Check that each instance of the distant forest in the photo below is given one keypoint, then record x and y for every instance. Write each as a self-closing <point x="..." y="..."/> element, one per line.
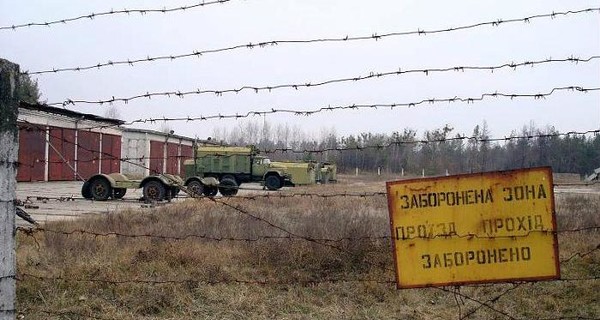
<point x="396" y="153"/>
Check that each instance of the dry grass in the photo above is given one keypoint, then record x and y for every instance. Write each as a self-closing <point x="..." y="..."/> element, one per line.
<point x="288" y="278"/>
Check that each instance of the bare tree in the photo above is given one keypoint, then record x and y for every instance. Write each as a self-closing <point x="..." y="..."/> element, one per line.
<point x="112" y="112"/>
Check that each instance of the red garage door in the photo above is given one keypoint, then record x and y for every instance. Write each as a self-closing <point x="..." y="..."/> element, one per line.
<point x="62" y="145"/>
<point x="172" y="158"/>
<point x="156" y="157"/>
<point x="32" y="153"/>
<point x="87" y="153"/>
<point x="111" y="153"/>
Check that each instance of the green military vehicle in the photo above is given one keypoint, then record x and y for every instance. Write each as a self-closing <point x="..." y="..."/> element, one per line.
<point x="233" y="166"/>
<point x="309" y="172"/>
<point x="326" y="172"/>
<point x="302" y="173"/>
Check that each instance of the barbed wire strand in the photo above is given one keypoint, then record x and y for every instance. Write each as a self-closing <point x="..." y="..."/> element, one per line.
<point x="22" y="276"/>
<point x="70" y="314"/>
<point x="491" y="300"/>
<point x="270" y="195"/>
<point x="391" y="106"/>
<point x="92" y="16"/>
<point x="582" y="255"/>
<point x="347" y="38"/>
<point x="270" y="224"/>
<point x="297" y="86"/>
<point x="372" y="106"/>
<point x="382" y="146"/>
<point x="269" y="282"/>
<point x="425" y="142"/>
<point x="481" y="303"/>
<point x="109" y="234"/>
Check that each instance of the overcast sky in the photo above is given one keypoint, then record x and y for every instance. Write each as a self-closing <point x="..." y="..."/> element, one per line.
<point x="122" y="37"/>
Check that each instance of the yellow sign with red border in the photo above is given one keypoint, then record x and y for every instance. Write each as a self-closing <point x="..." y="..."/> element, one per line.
<point x="474" y="228"/>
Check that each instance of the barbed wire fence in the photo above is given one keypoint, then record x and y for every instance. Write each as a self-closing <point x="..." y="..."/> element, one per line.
<point x="343" y="39"/>
<point x="288" y="236"/>
<point x="281" y="232"/>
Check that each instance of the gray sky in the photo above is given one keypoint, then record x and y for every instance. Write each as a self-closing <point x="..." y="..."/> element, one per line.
<point x="120" y="37"/>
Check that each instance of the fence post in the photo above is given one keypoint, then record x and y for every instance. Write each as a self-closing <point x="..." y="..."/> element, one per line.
<point x="9" y="145"/>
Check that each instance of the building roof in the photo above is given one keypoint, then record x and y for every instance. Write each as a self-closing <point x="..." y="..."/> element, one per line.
<point x="160" y="133"/>
<point x="69" y="113"/>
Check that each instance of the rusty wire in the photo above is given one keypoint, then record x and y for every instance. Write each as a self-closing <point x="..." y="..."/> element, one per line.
<point x="22" y="276"/>
<point x="291" y="236"/>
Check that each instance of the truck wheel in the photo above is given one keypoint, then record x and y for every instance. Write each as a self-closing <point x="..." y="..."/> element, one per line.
<point x="100" y="189"/>
<point x="119" y="193"/>
<point x="230" y="177"/>
<point x="273" y="183"/>
<point x="154" y="191"/>
<point x="195" y="188"/>
<point x="210" y="191"/>
<point x="86" y="192"/>
<point x="228" y="187"/>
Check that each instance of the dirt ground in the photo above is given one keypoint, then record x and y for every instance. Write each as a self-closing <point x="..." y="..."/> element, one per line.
<point x="49" y="201"/>
<point x="61" y="200"/>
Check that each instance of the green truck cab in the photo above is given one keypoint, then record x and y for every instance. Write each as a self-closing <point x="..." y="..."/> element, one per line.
<point x="233" y="166"/>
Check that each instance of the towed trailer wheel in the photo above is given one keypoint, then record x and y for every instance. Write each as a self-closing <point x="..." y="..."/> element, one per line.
<point x="99" y="189"/>
<point x="195" y="188"/>
<point x="86" y="192"/>
<point x="154" y="191"/>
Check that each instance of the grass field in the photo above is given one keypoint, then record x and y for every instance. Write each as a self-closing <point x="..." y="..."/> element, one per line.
<point x="224" y="259"/>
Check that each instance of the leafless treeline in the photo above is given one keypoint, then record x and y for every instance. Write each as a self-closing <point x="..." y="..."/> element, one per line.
<point x="438" y="151"/>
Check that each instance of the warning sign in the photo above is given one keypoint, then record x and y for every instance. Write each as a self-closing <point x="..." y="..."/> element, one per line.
<point x="474" y="228"/>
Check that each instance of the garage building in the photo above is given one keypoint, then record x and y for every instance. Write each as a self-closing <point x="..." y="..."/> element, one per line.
<point x="148" y="152"/>
<point x="57" y="144"/>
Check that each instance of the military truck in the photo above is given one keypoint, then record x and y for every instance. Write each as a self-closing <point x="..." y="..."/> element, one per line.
<point x="301" y="173"/>
<point x="233" y="166"/>
<point x="309" y="172"/>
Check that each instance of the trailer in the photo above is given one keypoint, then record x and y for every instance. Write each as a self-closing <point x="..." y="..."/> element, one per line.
<point x="102" y="187"/>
